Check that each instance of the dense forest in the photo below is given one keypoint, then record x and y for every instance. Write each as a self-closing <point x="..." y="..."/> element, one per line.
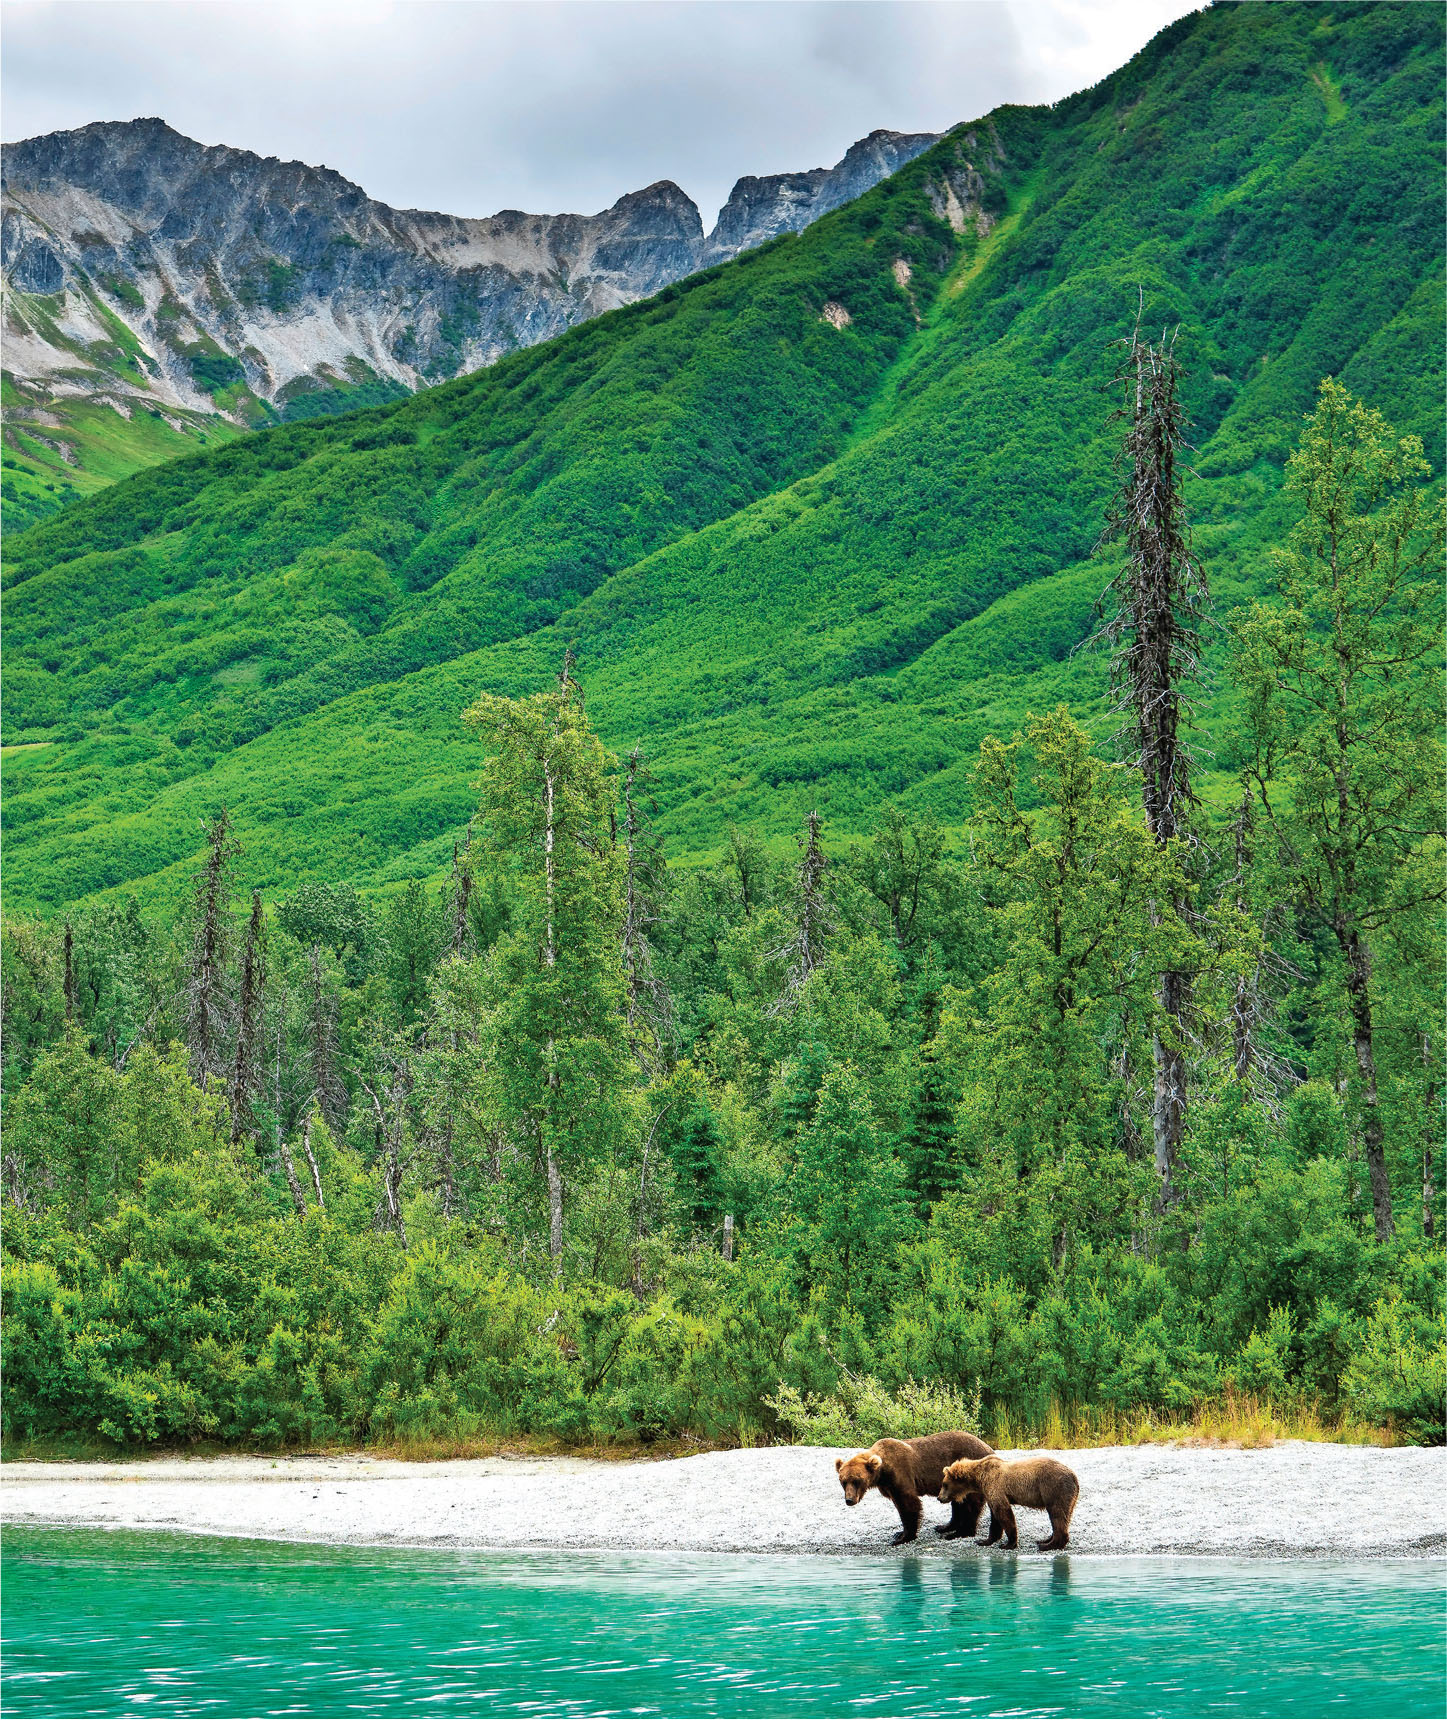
<point x="1116" y="1109"/>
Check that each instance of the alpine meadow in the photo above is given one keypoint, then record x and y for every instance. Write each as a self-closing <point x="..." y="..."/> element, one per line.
<point x="852" y="848"/>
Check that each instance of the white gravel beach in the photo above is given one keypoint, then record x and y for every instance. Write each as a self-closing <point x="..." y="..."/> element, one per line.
<point x="1291" y="1500"/>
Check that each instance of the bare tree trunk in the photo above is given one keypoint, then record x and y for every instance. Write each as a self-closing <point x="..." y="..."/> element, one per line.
<point x="555" y="1215"/>
<point x="728" y="1236"/>
<point x="1359" y="975"/>
<point x="292" y="1181"/>
<point x="1154" y="636"/>
<point x="311" y="1159"/>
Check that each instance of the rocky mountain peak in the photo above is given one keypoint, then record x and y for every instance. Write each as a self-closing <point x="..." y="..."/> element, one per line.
<point x="145" y="268"/>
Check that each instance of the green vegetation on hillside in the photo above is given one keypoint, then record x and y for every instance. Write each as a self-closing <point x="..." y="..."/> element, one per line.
<point x="804" y="563"/>
<point x="56" y="450"/>
<point x="953" y="1069"/>
<point x="830" y="1144"/>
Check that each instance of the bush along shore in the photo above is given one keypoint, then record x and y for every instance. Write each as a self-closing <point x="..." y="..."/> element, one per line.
<point x="1119" y="1111"/>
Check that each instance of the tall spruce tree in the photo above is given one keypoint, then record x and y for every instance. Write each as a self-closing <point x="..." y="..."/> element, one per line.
<point x="813" y="912"/>
<point x="651" y="1030"/>
<point x="327" y="1090"/>
<point x="1342" y="676"/>
<point x="556" y="1066"/>
<point x="209" y="1009"/>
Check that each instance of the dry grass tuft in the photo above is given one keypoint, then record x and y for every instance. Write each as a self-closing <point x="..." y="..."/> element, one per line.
<point x="1233" y="1422"/>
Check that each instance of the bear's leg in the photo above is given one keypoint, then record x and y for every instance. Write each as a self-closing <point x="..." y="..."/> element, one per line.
<point x="1059" y="1535"/>
<point x="1002" y="1521"/>
<point x="964" y="1517"/>
<point x="910" y="1511"/>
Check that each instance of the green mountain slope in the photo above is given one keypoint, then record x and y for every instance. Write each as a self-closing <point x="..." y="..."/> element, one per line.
<point x="814" y="522"/>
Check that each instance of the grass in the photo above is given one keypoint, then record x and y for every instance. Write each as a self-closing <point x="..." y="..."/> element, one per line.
<point x="1332" y="100"/>
<point x="104" y="447"/>
<point x="1233" y="1421"/>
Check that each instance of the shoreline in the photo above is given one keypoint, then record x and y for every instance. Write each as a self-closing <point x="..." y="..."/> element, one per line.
<point x="1295" y="1499"/>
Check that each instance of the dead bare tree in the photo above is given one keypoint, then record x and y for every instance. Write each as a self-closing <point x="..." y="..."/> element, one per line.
<point x="1152" y="613"/>
<point x="311" y="1159"/>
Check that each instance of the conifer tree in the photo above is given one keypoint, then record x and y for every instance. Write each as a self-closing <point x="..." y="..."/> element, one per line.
<point x="555" y="1070"/>
<point x="246" y="1068"/>
<point x="813" y="913"/>
<point x="209" y="1009"/>
<point x="412" y="944"/>
<point x="928" y="1149"/>
<point x="1343" y="682"/>
<point x="649" y="1008"/>
<point x="327" y="1090"/>
<point x="847" y="1193"/>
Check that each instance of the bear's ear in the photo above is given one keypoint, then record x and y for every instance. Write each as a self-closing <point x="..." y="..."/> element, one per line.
<point x="838" y="1465"/>
<point x="875" y="1462"/>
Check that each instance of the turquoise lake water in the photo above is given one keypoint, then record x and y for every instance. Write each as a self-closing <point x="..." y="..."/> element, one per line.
<point x="99" y="1623"/>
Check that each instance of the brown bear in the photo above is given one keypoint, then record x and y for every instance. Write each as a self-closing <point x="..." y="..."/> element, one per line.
<point x="904" y="1470"/>
<point x="1042" y="1483"/>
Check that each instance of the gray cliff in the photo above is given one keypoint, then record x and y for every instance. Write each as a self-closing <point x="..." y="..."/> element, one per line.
<point x="139" y="263"/>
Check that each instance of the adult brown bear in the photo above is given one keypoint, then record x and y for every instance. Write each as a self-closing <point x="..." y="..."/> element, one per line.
<point x="904" y="1470"/>
<point x="1039" y="1482"/>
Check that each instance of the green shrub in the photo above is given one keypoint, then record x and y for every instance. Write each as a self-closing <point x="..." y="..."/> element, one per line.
<point x="863" y="1410"/>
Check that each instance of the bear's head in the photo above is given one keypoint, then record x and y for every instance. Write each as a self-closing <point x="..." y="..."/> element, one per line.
<point x="858" y="1474"/>
<point x="964" y="1480"/>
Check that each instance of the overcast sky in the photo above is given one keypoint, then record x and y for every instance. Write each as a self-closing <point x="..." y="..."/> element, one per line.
<point x="470" y="106"/>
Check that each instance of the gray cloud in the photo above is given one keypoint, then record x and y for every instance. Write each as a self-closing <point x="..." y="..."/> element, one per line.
<point x="475" y="105"/>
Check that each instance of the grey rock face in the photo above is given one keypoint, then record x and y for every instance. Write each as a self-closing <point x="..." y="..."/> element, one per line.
<point x="760" y="209"/>
<point x="140" y="262"/>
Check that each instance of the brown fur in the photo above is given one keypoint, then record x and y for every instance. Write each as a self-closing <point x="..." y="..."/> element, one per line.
<point x="906" y="1469"/>
<point x="1041" y="1483"/>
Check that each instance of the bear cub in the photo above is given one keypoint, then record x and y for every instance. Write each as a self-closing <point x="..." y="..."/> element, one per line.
<point x="1041" y="1483"/>
<point x="904" y="1470"/>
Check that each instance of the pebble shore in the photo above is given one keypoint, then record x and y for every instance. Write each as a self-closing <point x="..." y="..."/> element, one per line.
<point x="1291" y="1500"/>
